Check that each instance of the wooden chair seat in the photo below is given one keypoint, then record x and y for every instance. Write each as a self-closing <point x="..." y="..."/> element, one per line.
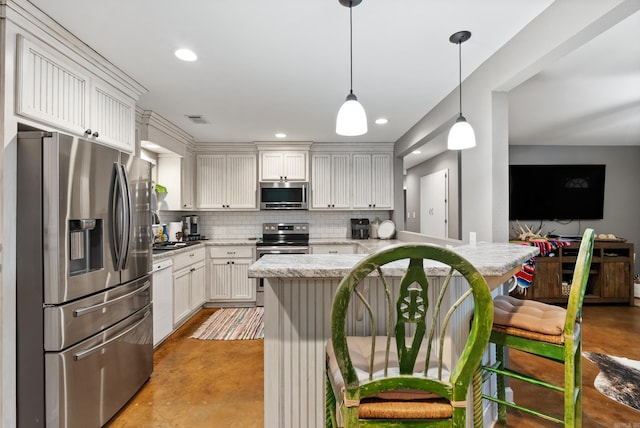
<point x="425" y="409"/>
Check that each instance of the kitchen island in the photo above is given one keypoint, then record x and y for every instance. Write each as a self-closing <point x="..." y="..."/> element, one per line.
<point x="299" y="292"/>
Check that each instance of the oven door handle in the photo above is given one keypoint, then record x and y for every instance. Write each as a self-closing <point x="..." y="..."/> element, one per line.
<point x="85" y="353"/>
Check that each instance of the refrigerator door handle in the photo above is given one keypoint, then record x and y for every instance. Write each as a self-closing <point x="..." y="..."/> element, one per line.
<point x="83" y="311"/>
<point x="127" y="215"/>
<point x="86" y="352"/>
<point x="113" y="220"/>
<point x="118" y="217"/>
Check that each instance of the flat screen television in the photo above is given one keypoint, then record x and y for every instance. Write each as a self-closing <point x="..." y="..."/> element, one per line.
<point x="556" y="192"/>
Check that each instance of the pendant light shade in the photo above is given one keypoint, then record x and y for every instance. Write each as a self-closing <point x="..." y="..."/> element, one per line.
<point x="352" y="119"/>
<point x="461" y="135"/>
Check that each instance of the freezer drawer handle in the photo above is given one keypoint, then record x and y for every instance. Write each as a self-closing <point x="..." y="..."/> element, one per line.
<point x="89" y="309"/>
<point x="82" y="354"/>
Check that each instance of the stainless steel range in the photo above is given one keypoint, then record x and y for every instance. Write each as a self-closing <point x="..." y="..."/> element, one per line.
<point x="281" y="238"/>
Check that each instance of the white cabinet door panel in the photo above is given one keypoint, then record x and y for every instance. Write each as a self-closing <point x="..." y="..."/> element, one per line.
<point x="113" y="117"/>
<point x="241" y="181"/>
<point x="295" y="166"/>
<point x="181" y="295"/>
<point x="321" y="194"/>
<point x="288" y="166"/>
<point x="331" y="181"/>
<point x="361" y="181"/>
<point x="211" y="173"/>
<point x="341" y="181"/>
<point x="221" y="280"/>
<point x="198" y="292"/>
<point x="243" y="287"/>
<point x="50" y="90"/>
<point x="381" y="196"/>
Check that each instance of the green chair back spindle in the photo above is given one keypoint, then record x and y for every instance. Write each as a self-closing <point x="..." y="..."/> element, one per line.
<point x="423" y="325"/>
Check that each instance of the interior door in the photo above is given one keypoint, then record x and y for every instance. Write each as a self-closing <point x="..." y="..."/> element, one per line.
<point x="434" y="196"/>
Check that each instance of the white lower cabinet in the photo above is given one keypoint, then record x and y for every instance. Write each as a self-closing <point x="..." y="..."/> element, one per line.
<point x="333" y="249"/>
<point x="229" y="281"/>
<point x="188" y="284"/>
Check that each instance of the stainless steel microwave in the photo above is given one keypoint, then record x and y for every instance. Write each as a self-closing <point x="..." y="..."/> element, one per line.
<point x="284" y="195"/>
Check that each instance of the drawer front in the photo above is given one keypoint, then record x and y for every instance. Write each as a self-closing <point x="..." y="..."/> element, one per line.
<point x="332" y="249"/>
<point x="187" y="258"/>
<point x="231" y="252"/>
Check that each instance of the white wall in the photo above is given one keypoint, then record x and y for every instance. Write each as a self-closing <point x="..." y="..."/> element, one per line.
<point x="621" y="201"/>
<point x="448" y="160"/>
<point x="560" y="29"/>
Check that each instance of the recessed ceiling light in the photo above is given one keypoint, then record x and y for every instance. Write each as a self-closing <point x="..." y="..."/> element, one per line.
<point x="186" y="55"/>
<point x="416" y="152"/>
<point x="281" y="135"/>
<point x="382" y="121"/>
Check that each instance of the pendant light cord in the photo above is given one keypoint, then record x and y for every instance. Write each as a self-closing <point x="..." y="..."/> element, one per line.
<point x="351" y="48"/>
<point x="460" y="74"/>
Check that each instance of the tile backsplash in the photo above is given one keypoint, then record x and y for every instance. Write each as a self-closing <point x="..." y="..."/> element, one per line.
<point x="248" y="224"/>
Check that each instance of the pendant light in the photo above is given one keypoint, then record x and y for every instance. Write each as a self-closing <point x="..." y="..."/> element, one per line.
<point x="461" y="135"/>
<point x="352" y="119"/>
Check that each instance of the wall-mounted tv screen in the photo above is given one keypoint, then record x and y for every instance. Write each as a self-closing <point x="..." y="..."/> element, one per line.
<point x="556" y="192"/>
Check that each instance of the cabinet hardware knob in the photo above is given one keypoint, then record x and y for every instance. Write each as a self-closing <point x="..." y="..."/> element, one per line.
<point x="95" y="134"/>
<point x="87" y="132"/>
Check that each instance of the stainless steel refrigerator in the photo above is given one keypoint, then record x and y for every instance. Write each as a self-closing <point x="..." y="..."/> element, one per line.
<point x="84" y="324"/>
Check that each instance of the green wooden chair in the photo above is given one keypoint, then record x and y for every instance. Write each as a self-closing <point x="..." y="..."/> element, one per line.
<point x="377" y="379"/>
<point x="547" y="331"/>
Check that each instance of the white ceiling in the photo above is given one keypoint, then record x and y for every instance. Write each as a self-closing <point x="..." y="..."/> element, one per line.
<point x="281" y="66"/>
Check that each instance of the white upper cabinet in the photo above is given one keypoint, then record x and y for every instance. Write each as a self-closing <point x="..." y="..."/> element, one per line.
<point x="52" y="89"/>
<point x="176" y="174"/>
<point x="330" y="181"/>
<point x="226" y="181"/>
<point x="187" y="178"/>
<point x="284" y="166"/>
<point x="373" y="181"/>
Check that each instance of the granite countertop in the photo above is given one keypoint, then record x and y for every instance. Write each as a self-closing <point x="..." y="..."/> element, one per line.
<point x="172" y="252"/>
<point x="491" y="259"/>
<point x="201" y="244"/>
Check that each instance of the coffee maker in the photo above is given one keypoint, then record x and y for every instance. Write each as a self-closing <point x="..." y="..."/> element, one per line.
<point x="359" y="228"/>
<point x="190" y="229"/>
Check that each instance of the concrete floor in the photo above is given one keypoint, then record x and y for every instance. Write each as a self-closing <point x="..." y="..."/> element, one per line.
<point x="202" y="383"/>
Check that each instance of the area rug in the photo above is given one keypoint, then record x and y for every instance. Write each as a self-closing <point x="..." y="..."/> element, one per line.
<point x="233" y="324"/>
<point x="619" y="378"/>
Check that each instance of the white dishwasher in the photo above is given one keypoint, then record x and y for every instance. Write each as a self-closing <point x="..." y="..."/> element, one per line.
<point x="162" y="300"/>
